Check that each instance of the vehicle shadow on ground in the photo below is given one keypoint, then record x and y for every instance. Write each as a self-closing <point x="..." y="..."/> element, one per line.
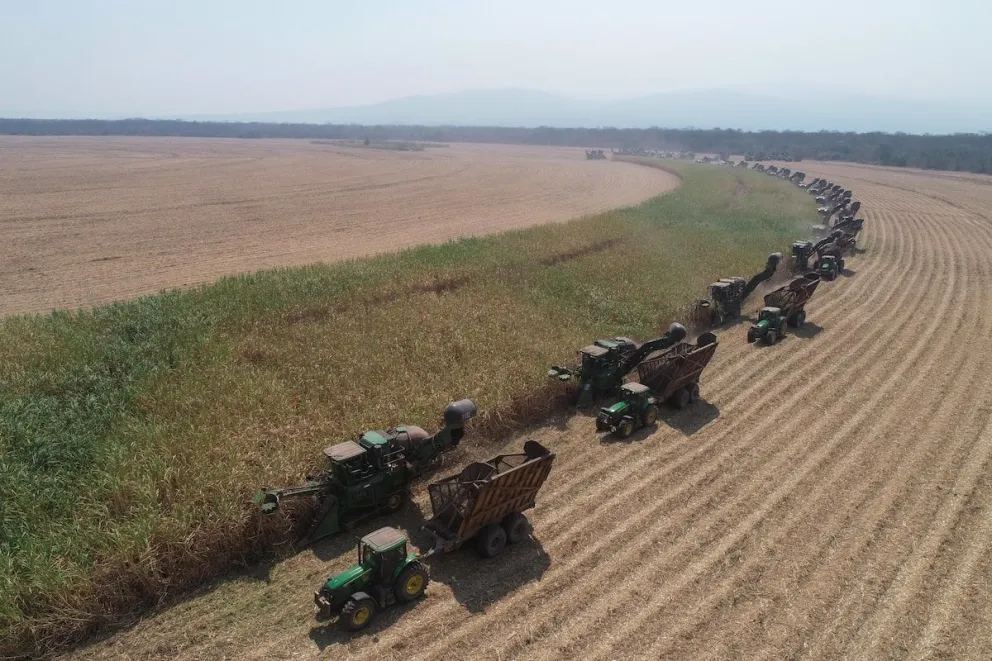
<point x="692" y="418"/>
<point x="847" y="273"/>
<point x="326" y="634"/>
<point x="808" y="330"/>
<point x="410" y="518"/>
<point x="477" y="582"/>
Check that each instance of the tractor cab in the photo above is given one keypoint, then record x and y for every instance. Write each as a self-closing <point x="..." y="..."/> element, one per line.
<point x="769" y="314"/>
<point x="381" y="552"/>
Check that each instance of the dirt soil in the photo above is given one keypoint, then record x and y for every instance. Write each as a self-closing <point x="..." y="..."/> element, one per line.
<point x="830" y="499"/>
<point x="92" y="220"/>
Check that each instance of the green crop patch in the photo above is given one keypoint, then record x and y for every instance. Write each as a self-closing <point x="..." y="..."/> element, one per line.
<point x="132" y="436"/>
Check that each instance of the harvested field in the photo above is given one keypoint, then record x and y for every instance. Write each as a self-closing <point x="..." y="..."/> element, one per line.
<point x="92" y="220"/>
<point x="831" y="498"/>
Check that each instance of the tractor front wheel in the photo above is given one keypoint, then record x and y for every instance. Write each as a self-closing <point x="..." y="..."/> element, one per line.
<point x="358" y="613"/>
<point x="491" y="541"/>
<point x="650" y="415"/>
<point x="412" y="582"/>
<point x="517" y="527"/>
<point x="625" y="428"/>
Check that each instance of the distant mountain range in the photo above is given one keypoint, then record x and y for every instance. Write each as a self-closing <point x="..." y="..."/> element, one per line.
<point x="704" y="109"/>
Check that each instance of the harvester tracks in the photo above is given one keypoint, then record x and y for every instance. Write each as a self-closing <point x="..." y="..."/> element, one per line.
<point x="840" y="505"/>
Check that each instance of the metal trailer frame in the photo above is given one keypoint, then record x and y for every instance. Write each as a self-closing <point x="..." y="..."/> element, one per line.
<point x="486" y="493"/>
<point x="677" y="367"/>
<point x="792" y="297"/>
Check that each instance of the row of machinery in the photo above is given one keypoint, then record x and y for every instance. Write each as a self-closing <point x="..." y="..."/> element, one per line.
<point x="484" y="503"/>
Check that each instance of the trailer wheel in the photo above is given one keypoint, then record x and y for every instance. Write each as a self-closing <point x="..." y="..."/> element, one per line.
<point x="800" y="318"/>
<point x="693" y="393"/>
<point x="491" y="541"/>
<point x="411" y="583"/>
<point x="681" y="398"/>
<point x="358" y="613"/>
<point x="517" y="527"/>
<point x="840" y="265"/>
<point x="650" y="415"/>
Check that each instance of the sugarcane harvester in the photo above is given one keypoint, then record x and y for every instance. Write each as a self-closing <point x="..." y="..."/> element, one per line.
<point x="370" y="475"/>
<point x="604" y="364"/>
<point x="784" y="307"/>
<point x="727" y="296"/>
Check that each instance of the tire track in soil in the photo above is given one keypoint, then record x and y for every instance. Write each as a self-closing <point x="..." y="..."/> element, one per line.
<point x="863" y="491"/>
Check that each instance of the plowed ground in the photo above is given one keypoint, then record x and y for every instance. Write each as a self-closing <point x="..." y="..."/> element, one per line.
<point x="92" y="220"/>
<point x="832" y="498"/>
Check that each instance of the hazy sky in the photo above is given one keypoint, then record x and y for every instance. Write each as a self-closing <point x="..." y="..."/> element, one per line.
<point x="110" y="57"/>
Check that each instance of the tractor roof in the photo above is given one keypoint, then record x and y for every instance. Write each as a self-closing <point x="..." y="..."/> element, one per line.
<point x="635" y="388"/>
<point x="343" y="451"/>
<point x="384" y="539"/>
<point x="771" y="310"/>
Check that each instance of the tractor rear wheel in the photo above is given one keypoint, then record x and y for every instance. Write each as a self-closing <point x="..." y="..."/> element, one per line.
<point x="358" y="613"/>
<point x="781" y="329"/>
<point x="491" y="541"/>
<point x="681" y="398"/>
<point x="517" y="527"/>
<point x="771" y="336"/>
<point x="411" y="583"/>
<point x="650" y="415"/>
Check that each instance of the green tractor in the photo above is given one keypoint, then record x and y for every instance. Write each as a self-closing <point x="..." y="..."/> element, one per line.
<point x="829" y="266"/>
<point x="386" y="573"/>
<point x="638" y="407"/>
<point x="770" y="326"/>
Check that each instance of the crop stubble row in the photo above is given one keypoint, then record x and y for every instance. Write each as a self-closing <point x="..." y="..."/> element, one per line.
<point x="837" y="507"/>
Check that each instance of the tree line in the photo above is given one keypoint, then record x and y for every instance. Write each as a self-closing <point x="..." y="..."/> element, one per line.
<point x="962" y="152"/>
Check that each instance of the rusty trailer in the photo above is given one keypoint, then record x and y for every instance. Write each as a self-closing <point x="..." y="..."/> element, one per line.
<point x="673" y="374"/>
<point x="486" y="501"/>
<point x="792" y="297"/>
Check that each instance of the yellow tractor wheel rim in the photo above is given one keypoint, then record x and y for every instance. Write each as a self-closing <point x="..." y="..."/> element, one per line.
<point x="414" y="584"/>
<point x="362" y="615"/>
<point x="651" y="417"/>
